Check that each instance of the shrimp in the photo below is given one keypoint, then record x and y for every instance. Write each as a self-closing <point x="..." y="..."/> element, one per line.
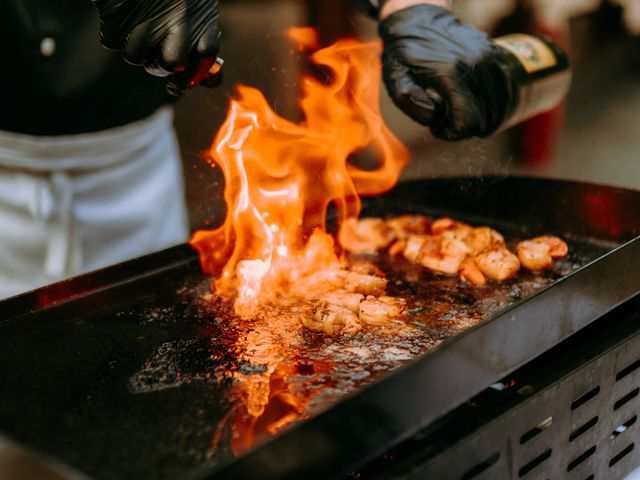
<point x="470" y="272"/>
<point x="442" y="254"/>
<point x="482" y="239"/>
<point x="558" y="248"/>
<point x="364" y="267"/>
<point x="348" y="300"/>
<point x="383" y="309"/>
<point x="398" y="247"/>
<point x="447" y="264"/>
<point x="315" y="285"/>
<point x="444" y="224"/>
<point x="365" y="284"/>
<point x="413" y="247"/>
<point x="499" y="264"/>
<point x="539" y="253"/>
<point x="367" y="235"/>
<point x="405" y="225"/>
<point x="534" y="255"/>
<point x="332" y="319"/>
<point x="451" y="244"/>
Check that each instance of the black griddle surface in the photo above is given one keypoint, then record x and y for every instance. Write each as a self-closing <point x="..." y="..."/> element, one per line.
<point x="154" y="379"/>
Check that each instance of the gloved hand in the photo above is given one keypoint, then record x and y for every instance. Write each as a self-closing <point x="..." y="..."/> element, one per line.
<point x="443" y="74"/>
<point x="174" y="38"/>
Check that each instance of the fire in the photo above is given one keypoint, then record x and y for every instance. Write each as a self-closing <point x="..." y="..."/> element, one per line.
<point x="281" y="176"/>
<point x="306" y="38"/>
<point x="275" y="381"/>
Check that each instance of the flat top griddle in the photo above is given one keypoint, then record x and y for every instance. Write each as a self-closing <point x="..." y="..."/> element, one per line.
<point x="135" y="372"/>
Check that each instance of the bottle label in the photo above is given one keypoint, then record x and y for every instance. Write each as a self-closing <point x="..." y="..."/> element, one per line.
<point x="533" y="53"/>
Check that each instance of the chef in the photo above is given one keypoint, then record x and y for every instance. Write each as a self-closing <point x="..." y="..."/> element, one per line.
<point x="90" y="173"/>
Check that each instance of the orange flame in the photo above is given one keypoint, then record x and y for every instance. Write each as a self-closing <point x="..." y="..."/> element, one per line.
<point x="281" y="176"/>
<point x="306" y="38"/>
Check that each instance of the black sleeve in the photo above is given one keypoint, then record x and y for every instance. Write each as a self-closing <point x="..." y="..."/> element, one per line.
<point x="370" y="7"/>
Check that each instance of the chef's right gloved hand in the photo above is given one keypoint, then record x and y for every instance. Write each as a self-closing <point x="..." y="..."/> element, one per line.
<point x="443" y="74"/>
<point x="174" y="38"/>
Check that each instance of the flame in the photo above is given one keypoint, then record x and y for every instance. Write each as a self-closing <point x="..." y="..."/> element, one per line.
<point x="275" y="385"/>
<point x="306" y="38"/>
<point x="281" y="177"/>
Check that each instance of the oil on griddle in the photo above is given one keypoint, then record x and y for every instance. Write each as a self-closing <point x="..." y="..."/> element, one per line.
<point x="277" y="373"/>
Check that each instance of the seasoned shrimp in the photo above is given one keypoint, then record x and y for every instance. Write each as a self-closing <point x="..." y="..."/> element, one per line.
<point x="315" y="285"/>
<point x="447" y="264"/>
<point x="442" y="253"/>
<point x="383" y="309"/>
<point x="367" y="235"/>
<point x="452" y="245"/>
<point x="499" y="264"/>
<point x="364" y="267"/>
<point x="540" y="252"/>
<point x="481" y="239"/>
<point x="348" y="300"/>
<point x="534" y="255"/>
<point x="365" y="284"/>
<point x="398" y="247"/>
<point x="413" y="247"/>
<point x="442" y="224"/>
<point x="470" y="272"/>
<point x="558" y="248"/>
<point x="445" y="223"/>
<point x="405" y="225"/>
<point x="332" y="319"/>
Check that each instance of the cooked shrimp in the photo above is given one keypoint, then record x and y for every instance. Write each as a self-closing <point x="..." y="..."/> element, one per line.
<point x="332" y="319"/>
<point x="442" y="224"/>
<point x="470" y="272"/>
<point x="413" y="247"/>
<point x="315" y="285"/>
<point x="447" y="264"/>
<point x="499" y="264"/>
<point x="481" y="239"/>
<point x="405" y="225"/>
<point x="441" y="255"/>
<point x="445" y="223"/>
<point x="460" y="232"/>
<point x="366" y="235"/>
<point x="397" y="247"/>
<point x="365" y="284"/>
<point x="534" y="255"/>
<point x="348" y="300"/>
<point x="364" y="267"/>
<point x="430" y="246"/>
<point x="452" y="245"/>
<point x="382" y="310"/>
<point x="558" y="248"/>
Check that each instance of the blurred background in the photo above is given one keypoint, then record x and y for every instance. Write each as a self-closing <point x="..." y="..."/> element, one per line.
<point x="594" y="136"/>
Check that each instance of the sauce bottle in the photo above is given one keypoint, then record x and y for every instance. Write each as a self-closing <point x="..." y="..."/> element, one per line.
<point x="540" y="75"/>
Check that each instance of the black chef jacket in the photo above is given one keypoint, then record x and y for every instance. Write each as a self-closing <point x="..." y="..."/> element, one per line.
<point x="56" y="78"/>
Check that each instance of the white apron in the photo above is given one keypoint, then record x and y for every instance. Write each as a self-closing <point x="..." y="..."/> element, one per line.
<point x="76" y="203"/>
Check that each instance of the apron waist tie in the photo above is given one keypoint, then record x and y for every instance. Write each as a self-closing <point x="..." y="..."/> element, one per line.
<point x="49" y="199"/>
<point x="56" y="199"/>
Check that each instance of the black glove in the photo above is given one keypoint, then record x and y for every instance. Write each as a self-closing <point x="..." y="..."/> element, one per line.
<point x="443" y="74"/>
<point x="175" y="38"/>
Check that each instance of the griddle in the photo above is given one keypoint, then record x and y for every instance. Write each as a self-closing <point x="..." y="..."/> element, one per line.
<point x="135" y="372"/>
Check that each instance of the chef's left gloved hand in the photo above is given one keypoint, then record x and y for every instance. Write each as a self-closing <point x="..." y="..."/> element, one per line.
<point x="174" y="38"/>
<point x="443" y="74"/>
